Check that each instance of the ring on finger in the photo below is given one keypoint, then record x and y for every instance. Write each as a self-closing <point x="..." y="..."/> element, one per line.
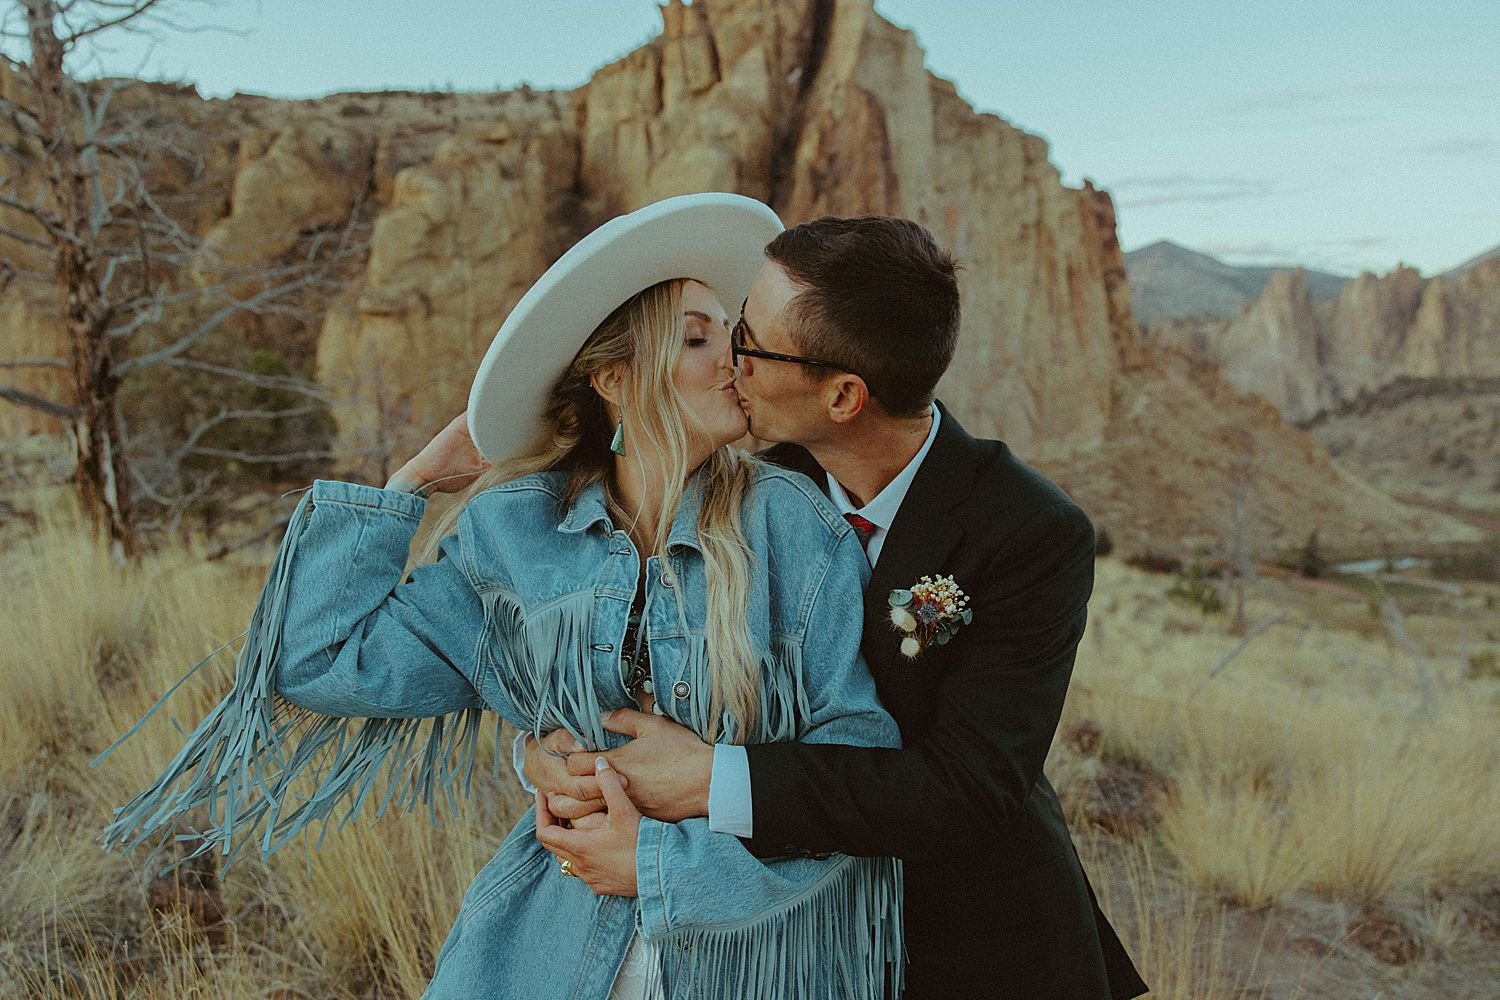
<point x="566" y="867"/>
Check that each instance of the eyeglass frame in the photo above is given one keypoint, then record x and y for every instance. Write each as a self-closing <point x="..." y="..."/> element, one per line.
<point x="741" y="329"/>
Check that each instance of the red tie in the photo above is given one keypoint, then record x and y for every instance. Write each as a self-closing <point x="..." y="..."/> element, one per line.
<point x="862" y="527"/>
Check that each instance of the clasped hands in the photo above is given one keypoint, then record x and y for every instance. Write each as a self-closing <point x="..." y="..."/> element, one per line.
<point x="663" y="773"/>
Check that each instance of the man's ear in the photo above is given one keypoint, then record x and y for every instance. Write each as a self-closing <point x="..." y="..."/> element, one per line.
<point x="609" y="382"/>
<point x="847" y="397"/>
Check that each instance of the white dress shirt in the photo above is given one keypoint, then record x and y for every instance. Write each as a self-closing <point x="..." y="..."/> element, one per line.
<point x="729" y="806"/>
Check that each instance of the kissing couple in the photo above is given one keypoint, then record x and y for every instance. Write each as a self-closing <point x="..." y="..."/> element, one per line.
<point x="785" y="713"/>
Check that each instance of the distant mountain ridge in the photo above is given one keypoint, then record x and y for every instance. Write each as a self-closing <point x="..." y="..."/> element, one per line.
<point x="1170" y="281"/>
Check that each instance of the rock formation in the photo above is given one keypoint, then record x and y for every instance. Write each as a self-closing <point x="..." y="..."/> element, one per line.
<point x="798" y="104"/>
<point x="1308" y="356"/>
<point x="817" y="107"/>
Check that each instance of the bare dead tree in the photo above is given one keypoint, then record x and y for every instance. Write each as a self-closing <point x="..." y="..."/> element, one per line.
<point x="1235" y="545"/>
<point x="87" y="223"/>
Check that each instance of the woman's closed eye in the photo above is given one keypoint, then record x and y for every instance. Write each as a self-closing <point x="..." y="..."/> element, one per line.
<point x="700" y="328"/>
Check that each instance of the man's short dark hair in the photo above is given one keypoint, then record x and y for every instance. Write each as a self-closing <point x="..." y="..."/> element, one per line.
<point x="881" y="299"/>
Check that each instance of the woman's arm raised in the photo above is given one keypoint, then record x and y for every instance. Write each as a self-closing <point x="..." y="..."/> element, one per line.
<point x="340" y="638"/>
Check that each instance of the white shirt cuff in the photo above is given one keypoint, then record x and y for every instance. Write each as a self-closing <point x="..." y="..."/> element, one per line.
<point x="729" y="792"/>
<point x="518" y="761"/>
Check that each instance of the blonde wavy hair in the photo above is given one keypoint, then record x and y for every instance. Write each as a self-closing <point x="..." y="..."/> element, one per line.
<point x="646" y="334"/>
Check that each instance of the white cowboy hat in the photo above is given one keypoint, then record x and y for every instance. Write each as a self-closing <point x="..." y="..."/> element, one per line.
<point x="717" y="239"/>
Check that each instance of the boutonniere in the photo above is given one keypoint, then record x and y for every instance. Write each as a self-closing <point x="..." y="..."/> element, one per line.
<point x="932" y="610"/>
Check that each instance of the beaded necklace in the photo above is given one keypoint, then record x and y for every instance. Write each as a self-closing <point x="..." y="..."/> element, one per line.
<point x="635" y="658"/>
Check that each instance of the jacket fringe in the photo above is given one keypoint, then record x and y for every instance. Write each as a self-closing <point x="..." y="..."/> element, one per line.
<point x="845" y="930"/>
<point x="260" y="765"/>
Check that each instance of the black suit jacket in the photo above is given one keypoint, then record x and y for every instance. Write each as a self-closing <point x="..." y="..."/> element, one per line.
<point x="997" y="904"/>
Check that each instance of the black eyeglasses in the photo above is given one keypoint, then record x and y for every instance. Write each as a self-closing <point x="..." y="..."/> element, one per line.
<point x="737" y="347"/>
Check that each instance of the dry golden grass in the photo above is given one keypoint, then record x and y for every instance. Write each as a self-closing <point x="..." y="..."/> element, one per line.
<point x="1311" y="763"/>
<point x="1176" y="935"/>
<point x="85" y="648"/>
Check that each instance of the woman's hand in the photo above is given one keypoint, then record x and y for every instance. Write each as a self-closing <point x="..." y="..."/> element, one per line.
<point x="448" y="463"/>
<point x="602" y="853"/>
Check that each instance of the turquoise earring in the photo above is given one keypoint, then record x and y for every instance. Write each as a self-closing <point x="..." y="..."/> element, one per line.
<point x="617" y="444"/>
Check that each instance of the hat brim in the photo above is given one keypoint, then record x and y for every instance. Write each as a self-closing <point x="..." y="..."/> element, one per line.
<point x="717" y="239"/>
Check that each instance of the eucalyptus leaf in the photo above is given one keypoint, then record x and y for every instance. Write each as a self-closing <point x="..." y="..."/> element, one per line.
<point x="943" y="637"/>
<point x="968" y="616"/>
<point x="900" y="598"/>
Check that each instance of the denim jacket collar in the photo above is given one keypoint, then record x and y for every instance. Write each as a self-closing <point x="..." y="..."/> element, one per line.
<point x="590" y="509"/>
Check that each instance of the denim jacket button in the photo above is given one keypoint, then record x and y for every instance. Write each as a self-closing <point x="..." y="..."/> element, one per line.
<point x="666" y="578"/>
<point x="682" y="689"/>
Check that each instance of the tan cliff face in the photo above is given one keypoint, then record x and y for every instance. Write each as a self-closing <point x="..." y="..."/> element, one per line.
<point x="816" y="106"/>
<point x="1307" y="358"/>
<point x="1275" y="347"/>
<point x="797" y="104"/>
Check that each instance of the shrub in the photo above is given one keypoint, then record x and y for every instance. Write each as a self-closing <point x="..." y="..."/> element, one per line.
<point x="1194" y="586"/>
<point x="1154" y="562"/>
<point x="1484" y="665"/>
<point x="1311" y="562"/>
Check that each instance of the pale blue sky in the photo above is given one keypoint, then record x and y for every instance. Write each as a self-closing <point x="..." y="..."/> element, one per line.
<point x="1341" y="135"/>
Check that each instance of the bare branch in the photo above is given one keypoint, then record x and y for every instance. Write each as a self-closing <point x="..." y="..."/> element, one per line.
<point x="1395" y="623"/>
<point x="276" y="527"/>
<point x="147" y="315"/>
<point x="209" y="325"/>
<point x="34" y="402"/>
<point x="9" y="271"/>
<point x="129" y="12"/>
<point x="22" y="117"/>
<point x="26" y="240"/>
<point x="48" y="219"/>
<point x="287" y="382"/>
<point x="178" y="504"/>
<point x="1240" y="647"/>
<point x="150" y="306"/>
<point x="190" y="446"/>
<point x="251" y="458"/>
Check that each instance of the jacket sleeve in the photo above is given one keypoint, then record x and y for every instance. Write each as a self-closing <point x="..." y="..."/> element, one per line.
<point x="702" y="885"/>
<point x="998" y="707"/>
<point x="355" y="640"/>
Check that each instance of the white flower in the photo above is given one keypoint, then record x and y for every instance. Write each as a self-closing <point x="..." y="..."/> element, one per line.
<point x="903" y="619"/>
<point x="910" y="647"/>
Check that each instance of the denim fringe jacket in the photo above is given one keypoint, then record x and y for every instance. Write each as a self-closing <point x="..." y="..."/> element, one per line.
<point x="347" y="672"/>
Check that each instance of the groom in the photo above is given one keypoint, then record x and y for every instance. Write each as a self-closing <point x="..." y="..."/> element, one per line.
<point x="843" y="338"/>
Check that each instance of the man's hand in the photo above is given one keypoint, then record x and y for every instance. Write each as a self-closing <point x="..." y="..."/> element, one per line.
<point x="603" y="852"/>
<point x="567" y="796"/>
<point x="667" y="767"/>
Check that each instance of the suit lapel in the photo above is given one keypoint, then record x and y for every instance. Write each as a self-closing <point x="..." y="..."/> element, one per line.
<point x="923" y="534"/>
